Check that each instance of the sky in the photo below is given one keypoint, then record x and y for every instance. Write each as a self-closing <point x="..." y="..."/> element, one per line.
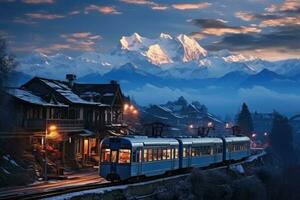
<point x="269" y="29"/>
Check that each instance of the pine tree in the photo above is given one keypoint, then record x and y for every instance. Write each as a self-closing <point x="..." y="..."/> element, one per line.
<point x="244" y="120"/>
<point x="281" y="138"/>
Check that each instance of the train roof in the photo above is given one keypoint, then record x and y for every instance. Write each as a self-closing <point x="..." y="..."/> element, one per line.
<point x="139" y="141"/>
<point x="200" y="140"/>
<point x="237" y="139"/>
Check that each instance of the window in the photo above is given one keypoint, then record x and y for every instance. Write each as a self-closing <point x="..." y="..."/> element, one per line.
<point x="114" y="156"/>
<point x="154" y="154"/>
<point x="176" y="153"/>
<point x="159" y="154"/>
<point x="164" y="157"/>
<point x="168" y="154"/>
<point x="105" y="155"/>
<point x="150" y="155"/>
<point x="124" y="156"/>
<point x="145" y="155"/>
<point x="184" y="152"/>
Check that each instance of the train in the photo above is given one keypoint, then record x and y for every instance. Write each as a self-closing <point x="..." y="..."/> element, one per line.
<point x="127" y="157"/>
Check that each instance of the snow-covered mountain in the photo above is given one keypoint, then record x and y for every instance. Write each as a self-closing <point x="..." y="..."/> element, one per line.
<point x="179" y="57"/>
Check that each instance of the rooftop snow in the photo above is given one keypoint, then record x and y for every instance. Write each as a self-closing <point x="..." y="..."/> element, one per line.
<point x="65" y="91"/>
<point x="27" y="96"/>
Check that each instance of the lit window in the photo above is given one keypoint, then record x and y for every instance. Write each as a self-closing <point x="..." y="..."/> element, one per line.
<point x="154" y="154"/>
<point x="168" y="154"/>
<point x="105" y="155"/>
<point x="145" y="155"/>
<point x="176" y="153"/>
<point x="164" y="154"/>
<point x="124" y="156"/>
<point x="184" y="152"/>
<point x="159" y="154"/>
<point x="149" y="154"/>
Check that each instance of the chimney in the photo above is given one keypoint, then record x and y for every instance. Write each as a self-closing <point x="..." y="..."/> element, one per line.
<point x="114" y="82"/>
<point x="71" y="78"/>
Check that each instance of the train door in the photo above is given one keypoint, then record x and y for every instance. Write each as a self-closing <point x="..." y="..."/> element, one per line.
<point x="114" y="159"/>
<point x="139" y="161"/>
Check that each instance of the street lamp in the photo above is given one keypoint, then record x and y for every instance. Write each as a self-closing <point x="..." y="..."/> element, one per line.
<point x="51" y="129"/>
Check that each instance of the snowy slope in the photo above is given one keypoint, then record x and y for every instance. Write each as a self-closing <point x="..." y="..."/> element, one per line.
<point x="180" y="57"/>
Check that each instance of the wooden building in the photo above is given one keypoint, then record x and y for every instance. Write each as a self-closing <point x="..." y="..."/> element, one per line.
<point x="75" y="116"/>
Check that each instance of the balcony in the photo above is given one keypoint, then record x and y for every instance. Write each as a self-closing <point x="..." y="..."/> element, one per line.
<point x="67" y="125"/>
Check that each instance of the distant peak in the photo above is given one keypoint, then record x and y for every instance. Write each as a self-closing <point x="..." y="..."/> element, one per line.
<point x="131" y="42"/>
<point x="165" y="36"/>
<point x="192" y="49"/>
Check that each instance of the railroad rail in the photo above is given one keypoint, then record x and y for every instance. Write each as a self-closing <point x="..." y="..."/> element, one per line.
<point x="93" y="186"/>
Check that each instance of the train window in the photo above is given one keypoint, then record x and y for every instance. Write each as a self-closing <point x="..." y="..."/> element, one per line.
<point x="168" y="154"/>
<point x="159" y="154"/>
<point x="164" y="157"/>
<point x="124" y="156"/>
<point x="145" y="155"/>
<point x="105" y="155"/>
<point x="150" y="155"/>
<point x="154" y="154"/>
<point x="188" y="152"/>
<point x="176" y="153"/>
<point x="193" y="151"/>
<point x="184" y="152"/>
<point x="114" y="156"/>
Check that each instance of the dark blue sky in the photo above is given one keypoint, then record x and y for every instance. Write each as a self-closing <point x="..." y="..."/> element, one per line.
<point x="266" y="28"/>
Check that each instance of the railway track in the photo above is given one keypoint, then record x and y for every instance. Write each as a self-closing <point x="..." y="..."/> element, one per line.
<point x="93" y="186"/>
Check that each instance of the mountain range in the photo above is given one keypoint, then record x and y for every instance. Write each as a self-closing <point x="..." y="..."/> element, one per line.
<point x="173" y="65"/>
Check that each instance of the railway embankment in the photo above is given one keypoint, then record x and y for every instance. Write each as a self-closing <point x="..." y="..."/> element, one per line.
<point x="237" y="181"/>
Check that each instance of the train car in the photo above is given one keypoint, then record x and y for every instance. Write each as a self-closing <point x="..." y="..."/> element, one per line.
<point x="237" y="148"/>
<point x="134" y="156"/>
<point x="200" y="152"/>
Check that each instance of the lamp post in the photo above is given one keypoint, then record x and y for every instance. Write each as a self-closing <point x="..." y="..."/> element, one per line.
<point x="51" y="128"/>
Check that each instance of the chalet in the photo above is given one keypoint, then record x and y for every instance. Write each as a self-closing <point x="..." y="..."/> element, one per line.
<point x="81" y="114"/>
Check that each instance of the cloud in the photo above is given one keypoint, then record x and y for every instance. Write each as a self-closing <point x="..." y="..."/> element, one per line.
<point x="160" y="7"/>
<point x="75" y="12"/>
<point x="140" y="2"/>
<point x="286" y="6"/>
<point x="38" y="1"/>
<point x="102" y="9"/>
<point x="24" y="21"/>
<point x="191" y="6"/>
<point x="44" y="15"/>
<point x="220" y="27"/>
<point x="284" y="42"/>
<point x="246" y="16"/>
<point x="282" y="21"/>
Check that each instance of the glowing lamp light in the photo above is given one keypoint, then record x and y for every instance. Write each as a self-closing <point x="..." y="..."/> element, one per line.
<point x="265" y="134"/>
<point x="254" y="135"/>
<point x="135" y="112"/>
<point x="126" y="106"/>
<point x="210" y="124"/>
<point x="52" y="128"/>
<point x="191" y="126"/>
<point x="131" y="107"/>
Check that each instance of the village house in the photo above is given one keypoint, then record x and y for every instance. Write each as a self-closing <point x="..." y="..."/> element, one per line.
<point x="68" y="118"/>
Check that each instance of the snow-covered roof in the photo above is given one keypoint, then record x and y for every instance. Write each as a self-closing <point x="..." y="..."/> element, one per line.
<point x="138" y="141"/>
<point x="195" y="141"/>
<point x="66" y="92"/>
<point x="237" y="139"/>
<point x="29" y="97"/>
